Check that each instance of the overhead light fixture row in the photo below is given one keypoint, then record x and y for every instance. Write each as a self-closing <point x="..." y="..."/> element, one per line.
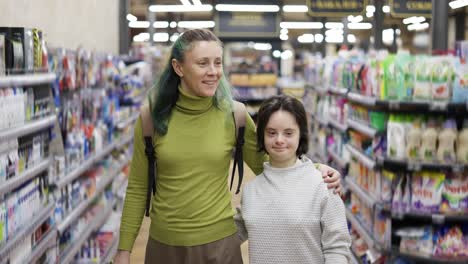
<point x="295" y="8"/>
<point x="301" y="25"/>
<point x="180" y="8"/>
<point x="246" y="8"/>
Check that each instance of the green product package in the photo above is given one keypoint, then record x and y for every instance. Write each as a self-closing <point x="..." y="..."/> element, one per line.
<point x="404" y="77"/>
<point x="390" y="82"/>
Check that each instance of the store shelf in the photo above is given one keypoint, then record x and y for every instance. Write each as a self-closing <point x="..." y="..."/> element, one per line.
<point x="434" y="218"/>
<point x="27" y="128"/>
<point x="337" y="90"/>
<point x="112" y="251"/>
<point x="27" y="230"/>
<point x="125" y="140"/>
<point x="70" y="252"/>
<point x="337" y="125"/>
<point x="363" y="195"/>
<point x="46" y="242"/>
<point x="125" y="123"/>
<point x="364" y="159"/>
<point x="78" y="211"/>
<point x="360" y="127"/>
<point x="26" y="79"/>
<point x="338" y="160"/>
<point x="418" y="165"/>
<point x="429" y="259"/>
<point x="362" y="99"/>
<point x="362" y="232"/>
<point x="28" y="174"/>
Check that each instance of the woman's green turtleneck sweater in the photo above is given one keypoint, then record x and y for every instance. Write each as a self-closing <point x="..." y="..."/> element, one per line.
<point x="192" y="205"/>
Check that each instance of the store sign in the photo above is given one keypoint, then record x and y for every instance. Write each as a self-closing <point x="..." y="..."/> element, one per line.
<point x="336" y="8"/>
<point x="407" y="8"/>
<point x="247" y="24"/>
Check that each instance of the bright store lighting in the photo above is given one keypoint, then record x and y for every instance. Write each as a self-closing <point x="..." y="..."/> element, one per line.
<point x="262" y="46"/>
<point x="364" y="25"/>
<point x="414" y="20"/>
<point x="196" y="24"/>
<point x="139" y="24"/>
<point x="196" y="2"/>
<point x="185" y="2"/>
<point x="161" y="37"/>
<point x="418" y="27"/>
<point x="331" y="25"/>
<point x="351" y="38"/>
<point x="295" y="8"/>
<point x="284" y="37"/>
<point x="306" y="38"/>
<point x="247" y="8"/>
<point x="286" y="54"/>
<point x="355" y="19"/>
<point x="173" y="24"/>
<point x="398" y="31"/>
<point x="370" y="9"/>
<point x="141" y="37"/>
<point x="387" y="36"/>
<point x="284" y="31"/>
<point x="302" y="25"/>
<point x="174" y="37"/>
<point x="276" y="53"/>
<point x="131" y="17"/>
<point x="318" y="38"/>
<point x="386" y="9"/>
<point x="458" y="3"/>
<point x="369" y="14"/>
<point x="334" y="39"/>
<point x="161" y="24"/>
<point x="180" y="8"/>
<point x="334" y="32"/>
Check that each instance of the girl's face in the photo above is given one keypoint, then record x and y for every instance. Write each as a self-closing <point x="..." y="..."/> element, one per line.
<point x="202" y="68"/>
<point x="282" y="139"/>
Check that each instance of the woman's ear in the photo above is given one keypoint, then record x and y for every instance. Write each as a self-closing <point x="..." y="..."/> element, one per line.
<point x="177" y="68"/>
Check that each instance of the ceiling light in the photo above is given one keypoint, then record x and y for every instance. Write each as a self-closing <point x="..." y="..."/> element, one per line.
<point x="306" y="38"/>
<point x="161" y="37"/>
<point x="368" y="14"/>
<point x="196" y="2"/>
<point x="303" y="25"/>
<point x="286" y="54"/>
<point x="295" y="8"/>
<point x="180" y="8"/>
<point x="196" y="24"/>
<point x="414" y="20"/>
<point x="173" y="24"/>
<point x="284" y="31"/>
<point x="364" y="25"/>
<point x="334" y="39"/>
<point x="185" y="2"/>
<point x="370" y="9"/>
<point x="387" y="36"/>
<point x="458" y="3"/>
<point x="417" y="27"/>
<point x="331" y="25"/>
<point x="398" y="31"/>
<point x="131" y="17"/>
<point x="318" y="38"/>
<point x="334" y="32"/>
<point x="284" y="37"/>
<point x="386" y="9"/>
<point x="262" y="46"/>
<point x="139" y="24"/>
<point x="174" y="37"/>
<point x="138" y="38"/>
<point x="247" y="8"/>
<point x="351" y="38"/>
<point x="276" y="53"/>
<point x="161" y="24"/>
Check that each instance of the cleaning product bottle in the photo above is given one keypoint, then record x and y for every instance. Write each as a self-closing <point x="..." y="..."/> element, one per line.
<point x="462" y="144"/>
<point x="429" y="142"/>
<point x="413" y="141"/>
<point x="396" y="138"/>
<point x="447" y="138"/>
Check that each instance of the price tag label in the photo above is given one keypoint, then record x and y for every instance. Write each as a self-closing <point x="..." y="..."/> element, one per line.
<point x="458" y="168"/>
<point x="414" y="166"/>
<point x="394" y="105"/>
<point x="438" y="219"/>
<point x="438" y="106"/>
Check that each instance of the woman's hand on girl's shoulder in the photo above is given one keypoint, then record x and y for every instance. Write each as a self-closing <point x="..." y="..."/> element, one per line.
<point x="331" y="177"/>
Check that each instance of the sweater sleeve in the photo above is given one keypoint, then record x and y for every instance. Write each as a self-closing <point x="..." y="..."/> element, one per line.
<point x="252" y="157"/>
<point x="336" y="240"/>
<point x="241" y="229"/>
<point x="135" y="199"/>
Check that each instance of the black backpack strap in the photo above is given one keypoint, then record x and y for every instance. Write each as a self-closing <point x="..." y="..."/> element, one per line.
<point x="148" y="131"/>
<point x="239" y="119"/>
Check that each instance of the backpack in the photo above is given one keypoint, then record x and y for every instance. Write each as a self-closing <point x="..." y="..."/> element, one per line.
<point x="239" y="115"/>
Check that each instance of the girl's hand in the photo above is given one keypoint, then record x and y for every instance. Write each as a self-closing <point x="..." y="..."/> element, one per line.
<point x="332" y="177"/>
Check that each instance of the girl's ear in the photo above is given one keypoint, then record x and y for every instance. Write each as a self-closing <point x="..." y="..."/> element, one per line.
<point x="177" y="68"/>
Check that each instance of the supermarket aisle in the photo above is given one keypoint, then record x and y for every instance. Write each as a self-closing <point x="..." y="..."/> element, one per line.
<point x="138" y="254"/>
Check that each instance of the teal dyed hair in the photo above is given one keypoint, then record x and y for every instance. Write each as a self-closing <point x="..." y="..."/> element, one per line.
<point x="164" y="94"/>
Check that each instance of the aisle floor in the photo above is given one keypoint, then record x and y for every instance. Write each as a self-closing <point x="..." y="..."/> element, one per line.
<point x="138" y="253"/>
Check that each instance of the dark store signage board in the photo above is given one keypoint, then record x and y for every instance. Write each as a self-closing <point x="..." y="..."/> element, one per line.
<point x="336" y="8"/>
<point x="408" y="8"/>
<point x="247" y="24"/>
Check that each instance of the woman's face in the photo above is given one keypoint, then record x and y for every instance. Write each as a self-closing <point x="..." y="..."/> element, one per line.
<point x="282" y="139"/>
<point x="202" y="68"/>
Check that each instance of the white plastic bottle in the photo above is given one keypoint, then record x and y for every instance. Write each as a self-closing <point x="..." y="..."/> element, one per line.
<point x="447" y="138"/>
<point x="462" y="144"/>
<point x="429" y="142"/>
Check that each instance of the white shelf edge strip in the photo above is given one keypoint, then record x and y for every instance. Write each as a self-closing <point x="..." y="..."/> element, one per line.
<point x="357" y="225"/>
<point x="365" y="197"/>
<point x="70" y="218"/>
<point x="28" y="174"/>
<point x="124" y="142"/>
<point x="44" y="244"/>
<point x="38" y="220"/>
<point x="371" y="132"/>
<point x="129" y="121"/>
<point x="340" y="127"/>
<point x="27" y="128"/>
<point x="361" y="99"/>
<point x="366" y="161"/>
<point x="337" y="158"/>
<point x="26" y="79"/>
<point x="70" y="252"/>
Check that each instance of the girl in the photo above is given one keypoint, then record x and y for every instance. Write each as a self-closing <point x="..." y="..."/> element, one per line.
<point x="288" y="214"/>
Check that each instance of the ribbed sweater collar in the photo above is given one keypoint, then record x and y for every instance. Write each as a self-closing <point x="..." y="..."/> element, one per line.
<point x="303" y="164"/>
<point x="191" y="104"/>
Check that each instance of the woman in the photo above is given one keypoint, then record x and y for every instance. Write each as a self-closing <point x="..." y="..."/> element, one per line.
<point x="191" y="213"/>
<point x="288" y="214"/>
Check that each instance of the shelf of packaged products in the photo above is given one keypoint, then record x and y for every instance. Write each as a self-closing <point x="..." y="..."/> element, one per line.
<point x="363" y="128"/>
<point x="363" y="195"/>
<point x="75" y="214"/>
<point x="338" y="160"/>
<point x="362" y="99"/>
<point x="338" y="90"/>
<point x="27" y="128"/>
<point x="364" y="159"/>
<point x="123" y="124"/>
<point x="419" y="165"/>
<point x="28" y="229"/>
<point x="70" y="252"/>
<point x="47" y="242"/>
<point x="112" y="251"/>
<point x="371" y="243"/>
<point x="435" y="218"/>
<point x="429" y="259"/>
<point x="320" y="120"/>
<point x="26" y="79"/>
<point x="9" y="185"/>
<point x="341" y="127"/>
<point x="321" y="90"/>
<point x="125" y="140"/>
